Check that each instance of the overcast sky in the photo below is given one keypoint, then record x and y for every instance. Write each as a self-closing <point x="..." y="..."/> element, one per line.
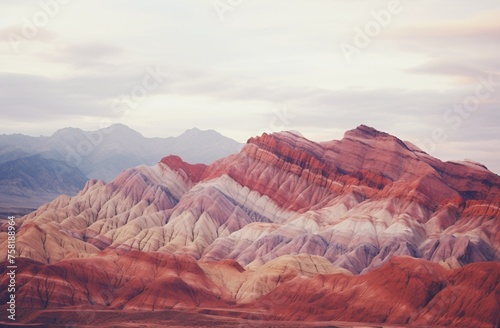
<point x="425" y="71"/>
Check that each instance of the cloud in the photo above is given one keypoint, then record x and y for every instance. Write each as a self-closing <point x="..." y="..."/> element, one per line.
<point x="35" y="97"/>
<point x="462" y="49"/>
<point x="455" y="68"/>
<point x="481" y="28"/>
<point x="87" y="55"/>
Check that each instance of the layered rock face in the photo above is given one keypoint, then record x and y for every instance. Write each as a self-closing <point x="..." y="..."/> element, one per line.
<point x="405" y="291"/>
<point x="284" y="217"/>
<point x="302" y="288"/>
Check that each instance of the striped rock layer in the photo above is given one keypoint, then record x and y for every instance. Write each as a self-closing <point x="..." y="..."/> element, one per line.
<point x="284" y="218"/>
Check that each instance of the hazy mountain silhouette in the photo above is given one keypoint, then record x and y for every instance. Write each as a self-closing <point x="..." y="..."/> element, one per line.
<point x="104" y="153"/>
<point x="28" y="182"/>
<point x="100" y="154"/>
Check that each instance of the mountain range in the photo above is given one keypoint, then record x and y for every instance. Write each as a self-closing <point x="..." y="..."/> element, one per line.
<point x="100" y="154"/>
<point x="366" y="229"/>
<point x="30" y="181"/>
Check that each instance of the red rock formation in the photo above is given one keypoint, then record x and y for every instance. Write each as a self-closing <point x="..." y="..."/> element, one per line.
<point x="404" y="291"/>
<point x="193" y="172"/>
<point x="134" y="280"/>
<point x="256" y="219"/>
<point x="357" y="201"/>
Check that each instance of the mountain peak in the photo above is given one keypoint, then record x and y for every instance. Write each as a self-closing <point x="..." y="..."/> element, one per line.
<point x="122" y="130"/>
<point x="193" y="171"/>
<point x="367" y="132"/>
<point x="194" y="132"/>
<point x="64" y="132"/>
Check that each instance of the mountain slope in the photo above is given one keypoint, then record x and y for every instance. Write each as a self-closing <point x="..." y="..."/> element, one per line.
<point x="104" y="153"/>
<point x="357" y="202"/>
<point x="288" y="218"/>
<point x="405" y="291"/>
<point x="27" y="182"/>
<point x="101" y="154"/>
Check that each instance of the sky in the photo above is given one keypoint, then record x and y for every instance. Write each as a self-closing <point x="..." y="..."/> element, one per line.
<point x="425" y="71"/>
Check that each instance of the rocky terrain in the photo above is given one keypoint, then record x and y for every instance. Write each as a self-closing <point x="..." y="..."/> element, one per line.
<point x="364" y="229"/>
<point x="74" y="154"/>
<point x="105" y="153"/>
<point x="27" y="182"/>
